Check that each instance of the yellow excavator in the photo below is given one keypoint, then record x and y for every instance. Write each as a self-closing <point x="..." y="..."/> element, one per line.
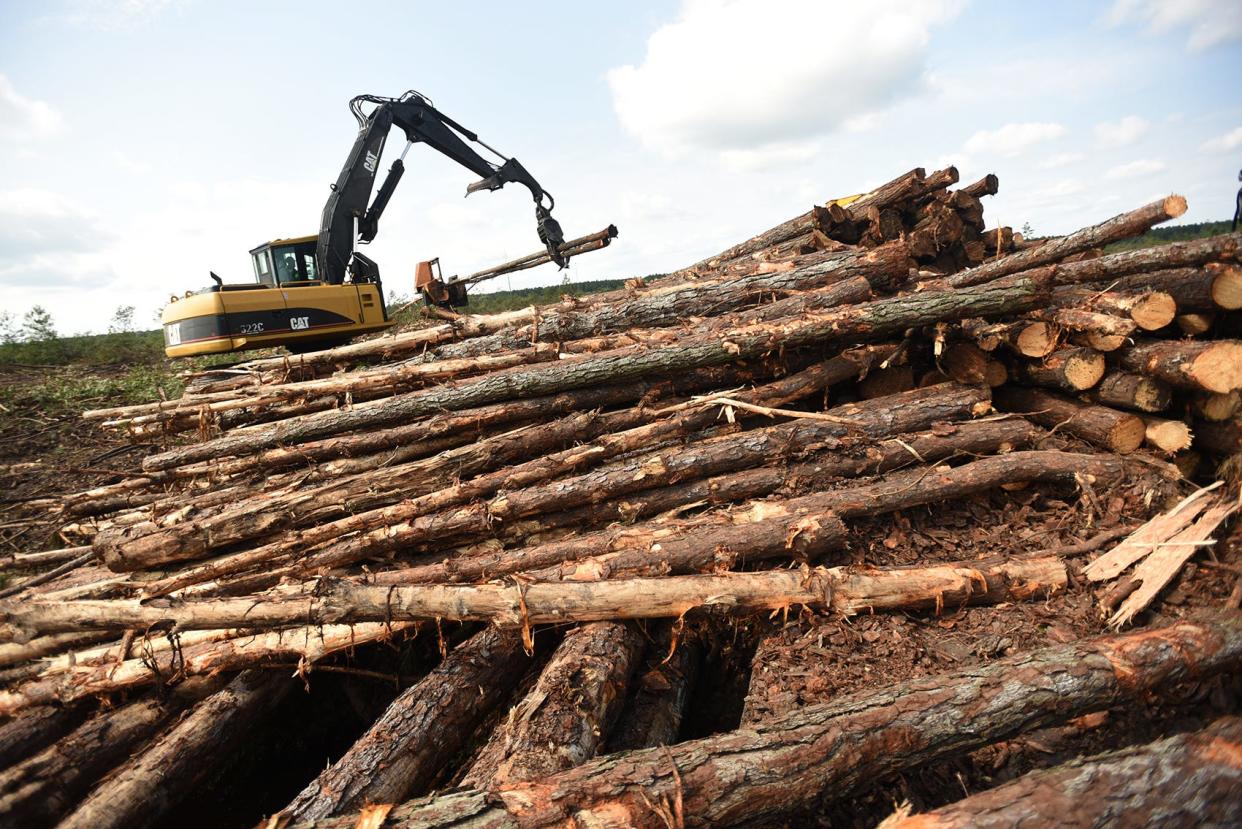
<point x="317" y="291"/>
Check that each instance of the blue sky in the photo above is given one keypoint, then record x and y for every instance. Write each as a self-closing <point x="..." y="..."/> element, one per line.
<point x="144" y="142"/>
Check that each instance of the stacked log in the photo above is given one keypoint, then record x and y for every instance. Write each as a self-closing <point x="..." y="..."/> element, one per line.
<point x="585" y="495"/>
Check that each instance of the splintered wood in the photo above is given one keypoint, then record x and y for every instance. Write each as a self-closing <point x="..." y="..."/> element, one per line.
<point x="612" y="561"/>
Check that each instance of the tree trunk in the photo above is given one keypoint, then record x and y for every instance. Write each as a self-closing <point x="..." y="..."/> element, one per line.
<point x="788" y="764"/>
<point x="1207" y="366"/>
<point x="1185" y="780"/>
<point x="149" y="784"/>
<point x="422" y="729"/>
<point x="567" y="716"/>
<point x="1116" y="431"/>
<point x="843" y="590"/>
<point x="1119" y="227"/>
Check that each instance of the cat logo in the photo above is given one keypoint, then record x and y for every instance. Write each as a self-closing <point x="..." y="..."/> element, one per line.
<point x="371" y="160"/>
<point x="299" y="323"/>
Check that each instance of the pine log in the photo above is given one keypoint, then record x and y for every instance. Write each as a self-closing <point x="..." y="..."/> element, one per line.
<point x="1217" y="407"/>
<point x="1119" y="227"/>
<point x="989" y="185"/>
<point x="171" y="540"/>
<point x="567" y="716"/>
<point x="1185" y="780"/>
<point x="41" y="789"/>
<point x="1071" y="369"/>
<point x="786" y="765"/>
<point x="1207" y="366"/>
<point x="969" y="364"/>
<point x="653" y="715"/>
<point x="1115" y="266"/>
<point x="814" y="219"/>
<point x="571" y="247"/>
<point x="1223" y="437"/>
<point x="1169" y="436"/>
<point x="1149" y="309"/>
<point x="1196" y="323"/>
<point x="141" y="791"/>
<point x="214" y="654"/>
<point x="1030" y="339"/>
<point x="33" y="730"/>
<point x="843" y="590"/>
<point x="402" y="752"/>
<point x="1133" y="391"/>
<point x="440" y="515"/>
<point x="1116" y="431"/>
<point x="867" y="321"/>
<point x="1226" y="286"/>
<point x="1091" y="322"/>
<point x="708" y="542"/>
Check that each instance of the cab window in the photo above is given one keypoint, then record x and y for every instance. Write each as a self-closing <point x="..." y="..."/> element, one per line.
<point x="286" y="265"/>
<point x="263" y="269"/>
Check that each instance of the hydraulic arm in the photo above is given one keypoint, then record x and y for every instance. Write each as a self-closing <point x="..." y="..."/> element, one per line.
<point x="350" y="214"/>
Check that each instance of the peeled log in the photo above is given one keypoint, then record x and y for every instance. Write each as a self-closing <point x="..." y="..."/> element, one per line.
<point x="786" y="765"/>
<point x="1186" y="780"/>
<point x="1214" y="366"/>
<point x="1116" y="431"/>
<point x="402" y="752"/>
<point x="567" y="716"/>
<point x="842" y="590"/>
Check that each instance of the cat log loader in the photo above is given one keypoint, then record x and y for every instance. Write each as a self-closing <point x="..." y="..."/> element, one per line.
<point x="315" y="292"/>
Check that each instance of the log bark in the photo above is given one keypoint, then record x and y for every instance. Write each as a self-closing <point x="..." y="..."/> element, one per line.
<point x="842" y="590"/>
<point x="1030" y="339"/>
<point x="142" y="790"/>
<point x="568" y="714"/>
<point x="1116" y="431"/>
<point x="1134" y="391"/>
<point x="664" y="684"/>
<point x="1119" y="227"/>
<point x="448" y="513"/>
<point x="804" y="525"/>
<point x="1185" y="780"/>
<point x="40" y="790"/>
<point x="867" y="321"/>
<point x="969" y="364"/>
<point x="1149" y="309"/>
<point x="33" y="730"/>
<point x="989" y="185"/>
<point x="403" y="751"/>
<point x="1204" y="366"/>
<point x="535" y="471"/>
<point x="572" y="247"/>
<point x="1223" y="437"/>
<point x="788" y="764"/>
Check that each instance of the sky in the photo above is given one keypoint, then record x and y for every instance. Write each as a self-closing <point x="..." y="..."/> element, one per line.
<point x="144" y="143"/>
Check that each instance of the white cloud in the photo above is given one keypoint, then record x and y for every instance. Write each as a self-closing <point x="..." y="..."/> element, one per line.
<point x="1012" y="139"/>
<point x="1208" y="22"/>
<point x="113" y="14"/>
<point x="23" y="119"/>
<point x="1054" y="162"/>
<point x="1142" y="167"/>
<point x="37" y="222"/>
<point x="1121" y="133"/>
<point x="1223" y="143"/>
<point x="740" y="75"/>
<point x="770" y="155"/>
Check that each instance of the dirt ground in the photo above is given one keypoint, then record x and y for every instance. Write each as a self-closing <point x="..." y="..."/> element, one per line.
<point x="754" y="666"/>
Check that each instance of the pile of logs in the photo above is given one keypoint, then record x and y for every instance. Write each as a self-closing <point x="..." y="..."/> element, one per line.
<point x="575" y="503"/>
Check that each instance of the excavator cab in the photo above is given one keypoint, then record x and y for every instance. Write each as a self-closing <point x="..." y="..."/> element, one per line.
<point x="287" y="305"/>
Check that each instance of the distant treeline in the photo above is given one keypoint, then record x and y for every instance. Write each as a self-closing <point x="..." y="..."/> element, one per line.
<point x="497" y="301"/>
<point x="1173" y="233"/>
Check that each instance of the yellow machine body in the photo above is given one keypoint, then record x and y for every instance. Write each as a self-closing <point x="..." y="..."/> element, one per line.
<point x="285" y="305"/>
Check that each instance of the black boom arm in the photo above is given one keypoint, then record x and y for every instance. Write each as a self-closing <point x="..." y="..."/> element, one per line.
<point x="422" y="123"/>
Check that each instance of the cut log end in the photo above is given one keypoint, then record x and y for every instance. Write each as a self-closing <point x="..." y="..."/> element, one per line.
<point x="1219" y="368"/>
<point x="1169" y="436"/>
<point x="1036" y="340"/>
<point x="1174" y="205"/>
<point x="1084" y="369"/>
<point x="1153" y="311"/>
<point x="1128" y="434"/>
<point x="1227" y="287"/>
